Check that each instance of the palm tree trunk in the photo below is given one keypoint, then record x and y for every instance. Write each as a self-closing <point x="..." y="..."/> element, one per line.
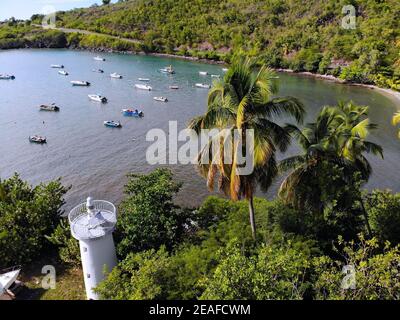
<point x="252" y="217"/>
<point x="365" y="214"/>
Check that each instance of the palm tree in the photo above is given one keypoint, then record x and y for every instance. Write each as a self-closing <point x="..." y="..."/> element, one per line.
<point x="396" y="120"/>
<point x="339" y="137"/>
<point x="243" y="100"/>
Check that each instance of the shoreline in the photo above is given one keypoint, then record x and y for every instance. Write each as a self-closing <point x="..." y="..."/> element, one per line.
<point x="395" y="95"/>
<point x="390" y="93"/>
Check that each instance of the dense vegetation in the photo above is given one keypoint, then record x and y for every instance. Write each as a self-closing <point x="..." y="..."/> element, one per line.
<point x="300" y="35"/>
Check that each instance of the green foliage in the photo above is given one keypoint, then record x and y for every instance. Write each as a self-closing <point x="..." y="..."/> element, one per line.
<point x="377" y="275"/>
<point x="26" y="215"/>
<point x="147" y="217"/>
<point x="272" y="273"/>
<point x="68" y="247"/>
<point x="384" y="211"/>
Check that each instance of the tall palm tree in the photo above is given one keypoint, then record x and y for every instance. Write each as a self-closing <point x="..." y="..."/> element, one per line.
<point x="339" y="137"/>
<point x="396" y="120"/>
<point x="243" y="100"/>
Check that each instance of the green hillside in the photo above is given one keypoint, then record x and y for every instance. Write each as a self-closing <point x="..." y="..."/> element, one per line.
<point x="303" y="35"/>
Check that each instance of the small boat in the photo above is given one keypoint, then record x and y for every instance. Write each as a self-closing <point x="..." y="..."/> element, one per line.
<point x="144" y="79"/>
<point x="57" y="66"/>
<point x="215" y="76"/>
<point x="62" y="72"/>
<point x="98" y="70"/>
<point x="203" y="85"/>
<point x="112" y="124"/>
<point x="97" y="98"/>
<point x="99" y="58"/>
<point x="80" y="83"/>
<point x="224" y="69"/>
<point x="169" y="70"/>
<point x="161" y="99"/>
<point x="174" y="87"/>
<point x="37" y="139"/>
<point x="203" y="73"/>
<point x="132" y="113"/>
<point x="7" y="280"/>
<point x="143" y="87"/>
<point x="6" y="77"/>
<point x="115" y="75"/>
<point x="52" y="107"/>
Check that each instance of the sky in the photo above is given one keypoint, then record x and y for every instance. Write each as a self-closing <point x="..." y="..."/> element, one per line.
<point x="23" y="9"/>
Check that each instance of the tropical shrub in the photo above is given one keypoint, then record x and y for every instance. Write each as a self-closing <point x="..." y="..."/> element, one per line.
<point x="27" y="214"/>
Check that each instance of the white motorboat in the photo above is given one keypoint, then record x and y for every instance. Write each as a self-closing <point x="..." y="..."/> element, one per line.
<point x="115" y="75"/>
<point x="57" y="66"/>
<point x="7" y="280"/>
<point x="203" y="85"/>
<point x="169" y="70"/>
<point x="37" y="139"/>
<point x="51" y="107"/>
<point x="224" y="69"/>
<point x="99" y="58"/>
<point x="63" y="72"/>
<point x="112" y="124"/>
<point x="80" y="83"/>
<point x="161" y="99"/>
<point x="144" y="79"/>
<point x="98" y="70"/>
<point x="174" y="87"/>
<point x="215" y="76"/>
<point x="6" y="77"/>
<point x="97" y="98"/>
<point x="143" y="87"/>
<point x="203" y="73"/>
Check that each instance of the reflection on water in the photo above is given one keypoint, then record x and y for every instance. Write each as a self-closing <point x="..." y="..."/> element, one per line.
<point x="95" y="159"/>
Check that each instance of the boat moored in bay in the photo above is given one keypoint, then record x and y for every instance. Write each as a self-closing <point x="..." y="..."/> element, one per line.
<point x="144" y="79"/>
<point x="37" y="139"/>
<point x="132" y="113"/>
<point x="161" y="99"/>
<point x="6" y="77"/>
<point x="57" y="66"/>
<point x="51" y="107"/>
<point x="99" y="58"/>
<point x="115" y="75"/>
<point x="143" y="87"/>
<point x="203" y="85"/>
<point x="63" y="72"/>
<point x="97" y="98"/>
<point x="80" y="83"/>
<point x="112" y="124"/>
<point x="168" y="70"/>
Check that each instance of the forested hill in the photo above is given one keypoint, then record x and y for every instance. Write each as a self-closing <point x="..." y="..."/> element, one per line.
<point x="304" y="35"/>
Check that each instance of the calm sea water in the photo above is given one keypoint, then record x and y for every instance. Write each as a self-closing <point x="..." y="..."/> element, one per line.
<point x="95" y="159"/>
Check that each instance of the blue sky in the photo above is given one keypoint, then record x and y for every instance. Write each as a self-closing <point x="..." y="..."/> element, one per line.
<point x="23" y="9"/>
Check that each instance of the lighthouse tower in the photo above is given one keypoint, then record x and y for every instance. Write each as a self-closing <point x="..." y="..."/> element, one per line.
<point x="92" y="223"/>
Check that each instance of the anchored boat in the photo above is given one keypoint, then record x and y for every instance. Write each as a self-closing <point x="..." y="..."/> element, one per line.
<point x="203" y="85"/>
<point x="203" y="73"/>
<point x="97" y="98"/>
<point x="37" y="139"/>
<point x="132" y="113"/>
<point x="80" y="83"/>
<point x="215" y="76"/>
<point x="174" y="87"/>
<point x="115" y="75"/>
<point x="169" y="70"/>
<point x="6" y="77"/>
<point x="98" y="70"/>
<point x="112" y="124"/>
<point x="143" y="87"/>
<point x="62" y="72"/>
<point x="144" y="79"/>
<point x="161" y="99"/>
<point x="57" y="66"/>
<point x="52" y="107"/>
<point x="99" y="58"/>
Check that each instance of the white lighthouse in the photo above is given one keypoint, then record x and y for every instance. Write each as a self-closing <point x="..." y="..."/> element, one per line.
<point x="92" y="223"/>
